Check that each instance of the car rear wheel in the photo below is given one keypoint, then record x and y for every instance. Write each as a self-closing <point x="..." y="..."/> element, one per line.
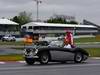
<point x="44" y="58"/>
<point x="29" y="61"/>
<point x="78" y="57"/>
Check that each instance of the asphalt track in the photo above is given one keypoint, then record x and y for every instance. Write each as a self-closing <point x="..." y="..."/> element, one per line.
<point x="90" y="67"/>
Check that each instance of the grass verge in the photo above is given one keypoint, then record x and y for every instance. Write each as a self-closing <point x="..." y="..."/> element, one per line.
<point x="84" y="40"/>
<point x="11" y="57"/>
<point x="94" y="52"/>
<point x="12" y="43"/>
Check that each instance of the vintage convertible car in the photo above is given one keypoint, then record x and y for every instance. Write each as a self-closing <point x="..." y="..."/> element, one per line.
<point x="45" y="53"/>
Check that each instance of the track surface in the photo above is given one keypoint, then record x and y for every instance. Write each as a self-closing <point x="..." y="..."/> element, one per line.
<point x="90" y="67"/>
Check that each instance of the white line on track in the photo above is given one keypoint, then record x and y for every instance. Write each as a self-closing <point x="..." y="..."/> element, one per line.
<point x="21" y="62"/>
<point x="2" y="62"/>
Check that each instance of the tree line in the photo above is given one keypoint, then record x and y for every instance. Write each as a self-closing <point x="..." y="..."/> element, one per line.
<point x="26" y="17"/>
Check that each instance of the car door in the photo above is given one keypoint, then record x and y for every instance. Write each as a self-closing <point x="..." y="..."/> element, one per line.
<point x="61" y="54"/>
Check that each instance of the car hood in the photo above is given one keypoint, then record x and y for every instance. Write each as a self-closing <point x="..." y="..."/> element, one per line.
<point x="29" y="47"/>
<point x="5" y="37"/>
<point x="34" y="46"/>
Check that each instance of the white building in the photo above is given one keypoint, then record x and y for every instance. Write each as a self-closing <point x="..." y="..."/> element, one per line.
<point x="56" y="30"/>
<point x="8" y="27"/>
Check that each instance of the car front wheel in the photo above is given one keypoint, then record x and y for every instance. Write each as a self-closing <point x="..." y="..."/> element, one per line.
<point x="29" y="61"/>
<point x="13" y="40"/>
<point x="44" y="58"/>
<point x="3" y="40"/>
<point x="78" y="57"/>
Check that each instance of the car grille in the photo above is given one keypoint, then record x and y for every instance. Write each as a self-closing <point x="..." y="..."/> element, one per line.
<point x="30" y="51"/>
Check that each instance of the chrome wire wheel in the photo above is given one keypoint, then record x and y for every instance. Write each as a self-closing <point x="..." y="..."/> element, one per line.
<point x="44" y="58"/>
<point x="78" y="57"/>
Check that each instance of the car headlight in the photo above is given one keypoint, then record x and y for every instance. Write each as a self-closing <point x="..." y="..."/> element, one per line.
<point x="36" y="51"/>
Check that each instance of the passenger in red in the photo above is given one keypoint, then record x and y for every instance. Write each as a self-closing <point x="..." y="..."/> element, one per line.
<point x="69" y="39"/>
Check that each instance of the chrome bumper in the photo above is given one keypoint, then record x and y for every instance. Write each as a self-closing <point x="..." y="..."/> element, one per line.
<point x="29" y="56"/>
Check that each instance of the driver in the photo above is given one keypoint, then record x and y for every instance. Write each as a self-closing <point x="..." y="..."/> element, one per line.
<point x="66" y="44"/>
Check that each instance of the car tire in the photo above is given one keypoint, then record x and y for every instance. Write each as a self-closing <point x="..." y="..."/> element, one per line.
<point x="29" y="61"/>
<point x="44" y="58"/>
<point x="78" y="57"/>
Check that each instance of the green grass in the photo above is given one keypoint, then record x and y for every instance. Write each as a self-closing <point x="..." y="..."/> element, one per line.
<point x="84" y="40"/>
<point x="11" y="43"/>
<point x="11" y="57"/>
<point x="93" y="52"/>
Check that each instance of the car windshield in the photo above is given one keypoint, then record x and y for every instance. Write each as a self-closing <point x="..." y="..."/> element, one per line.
<point x="41" y="43"/>
<point x="56" y="44"/>
<point x="7" y="35"/>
